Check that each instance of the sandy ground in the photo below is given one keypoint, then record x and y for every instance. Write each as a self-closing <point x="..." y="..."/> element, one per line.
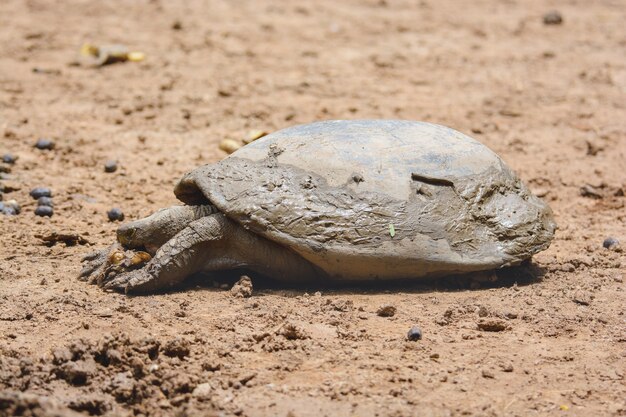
<point x="550" y="99"/>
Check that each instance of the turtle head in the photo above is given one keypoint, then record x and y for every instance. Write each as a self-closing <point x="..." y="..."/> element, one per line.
<point x="145" y="234"/>
<point x="151" y="233"/>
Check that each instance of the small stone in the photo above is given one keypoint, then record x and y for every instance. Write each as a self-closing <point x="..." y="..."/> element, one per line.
<point x="40" y="192"/>
<point x="5" y="168"/>
<point x="44" y="211"/>
<point x="45" y="201"/>
<point x="202" y="391"/>
<point x="254" y="135"/>
<point x="110" y="166"/>
<point x="487" y="374"/>
<point x="508" y="367"/>
<point x="590" y="191"/>
<point x="7" y="210"/>
<point x="61" y="355"/>
<point x="9" y="158"/>
<point x="492" y="325"/>
<point x="115" y="214"/>
<point x="45" y="144"/>
<point x="242" y="288"/>
<point x="611" y="243"/>
<point x="177" y="25"/>
<point x="386" y="311"/>
<point x="229" y="146"/>
<point x="11" y="207"/>
<point x="553" y="17"/>
<point x="176" y="348"/>
<point x="582" y="297"/>
<point x="414" y="334"/>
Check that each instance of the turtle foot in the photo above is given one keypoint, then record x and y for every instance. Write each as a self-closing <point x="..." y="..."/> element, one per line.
<point x="103" y="266"/>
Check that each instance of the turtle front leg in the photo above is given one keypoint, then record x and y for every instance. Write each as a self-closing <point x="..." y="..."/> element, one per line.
<point x="181" y="256"/>
<point x="145" y="234"/>
<point x="213" y="243"/>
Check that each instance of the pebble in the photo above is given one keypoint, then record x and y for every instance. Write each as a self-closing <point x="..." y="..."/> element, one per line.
<point x="414" y="334"/>
<point x="9" y="211"/>
<point x="110" y="166"/>
<point x="115" y="214"/>
<point x="386" y="311"/>
<point x="38" y="192"/>
<point x="177" y="25"/>
<point x="492" y="325"/>
<point x="552" y="18"/>
<point x="610" y="243"/>
<point x="9" y="158"/>
<point x="45" y="144"/>
<point x="45" y="201"/>
<point x="229" y="146"/>
<point x="10" y="207"/>
<point x="44" y="211"/>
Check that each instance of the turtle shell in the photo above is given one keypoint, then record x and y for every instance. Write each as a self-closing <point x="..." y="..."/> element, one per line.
<point x="378" y="199"/>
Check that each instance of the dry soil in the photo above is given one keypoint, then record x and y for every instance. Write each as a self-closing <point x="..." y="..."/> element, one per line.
<point x="546" y="339"/>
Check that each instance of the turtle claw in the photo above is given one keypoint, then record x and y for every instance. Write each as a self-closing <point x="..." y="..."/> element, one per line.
<point x="126" y="281"/>
<point x="94" y="265"/>
<point x="104" y="266"/>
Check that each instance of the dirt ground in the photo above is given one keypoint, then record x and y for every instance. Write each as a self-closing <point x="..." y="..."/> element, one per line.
<point x="550" y="99"/>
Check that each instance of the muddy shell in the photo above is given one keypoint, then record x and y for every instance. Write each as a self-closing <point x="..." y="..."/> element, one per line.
<point x="378" y="199"/>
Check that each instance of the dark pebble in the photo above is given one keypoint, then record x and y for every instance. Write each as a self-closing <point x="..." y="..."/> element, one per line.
<point x="610" y="243"/>
<point x="44" y="211"/>
<point x="110" y="166"/>
<point x="40" y="192"/>
<point x="414" y="334"/>
<point x="45" y="144"/>
<point x="552" y="18"/>
<point x="115" y="214"/>
<point x="45" y="201"/>
<point x="9" y="158"/>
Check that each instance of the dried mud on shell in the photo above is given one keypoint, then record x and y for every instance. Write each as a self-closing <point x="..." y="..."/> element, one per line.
<point x="542" y="339"/>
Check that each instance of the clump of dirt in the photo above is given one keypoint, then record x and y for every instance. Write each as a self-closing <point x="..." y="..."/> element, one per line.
<point x="30" y="405"/>
<point x="141" y="376"/>
<point x="242" y="288"/>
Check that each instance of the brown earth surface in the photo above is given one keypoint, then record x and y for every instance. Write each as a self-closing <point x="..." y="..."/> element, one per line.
<point x="550" y="99"/>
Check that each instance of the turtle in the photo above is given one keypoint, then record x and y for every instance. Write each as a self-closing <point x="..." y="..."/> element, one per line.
<point x="335" y="201"/>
